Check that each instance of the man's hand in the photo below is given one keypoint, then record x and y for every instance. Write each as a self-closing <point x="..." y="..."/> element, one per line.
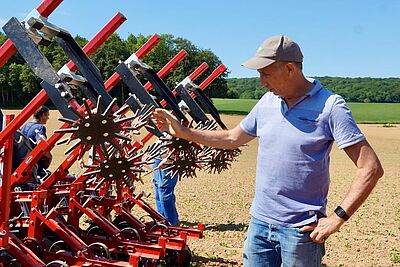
<point x="321" y="230"/>
<point x="169" y="123"/>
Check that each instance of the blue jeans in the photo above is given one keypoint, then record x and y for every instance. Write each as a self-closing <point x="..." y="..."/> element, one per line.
<point x="164" y="187"/>
<point x="272" y="245"/>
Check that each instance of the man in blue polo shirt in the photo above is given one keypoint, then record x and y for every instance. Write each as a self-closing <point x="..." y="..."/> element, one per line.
<point x="296" y="123"/>
<point x="35" y="131"/>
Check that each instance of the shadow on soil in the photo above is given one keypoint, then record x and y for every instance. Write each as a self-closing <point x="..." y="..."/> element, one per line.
<point x="219" y="227"/>
<point x="212" y="261"/>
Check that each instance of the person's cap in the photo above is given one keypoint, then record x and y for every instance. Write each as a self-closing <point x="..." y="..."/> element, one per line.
<point x="275" y="48"/>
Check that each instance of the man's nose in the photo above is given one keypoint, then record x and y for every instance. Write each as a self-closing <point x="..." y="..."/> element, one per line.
<point x="264" y="83"/>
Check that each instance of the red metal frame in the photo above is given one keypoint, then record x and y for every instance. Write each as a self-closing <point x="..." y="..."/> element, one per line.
<point x="5" y="187"/>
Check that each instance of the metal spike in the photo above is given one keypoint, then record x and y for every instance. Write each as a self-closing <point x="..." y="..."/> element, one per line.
<point x="87" y="107"/>
<point x="76" y="144"/>
<point x="139" y="155"/>
<point x="124" y="119"/>
<point x="69" y="121"/>
<point x="91" y="173"/>
<point x="106" y="112"/>
<point x="123" y="108"/>
<point x="63" y="141"/>
<point x="116" y="145"/>
<point x="104" y="150"/>
<point x="76" y="112"/>
<point x="98" y="105"/>
<point x="90" y="166"/>
<point x="121" y="136"/>
<point x="66" y="130"/>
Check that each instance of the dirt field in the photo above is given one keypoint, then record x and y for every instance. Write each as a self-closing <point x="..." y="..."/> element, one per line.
<point x="222" y="202"/>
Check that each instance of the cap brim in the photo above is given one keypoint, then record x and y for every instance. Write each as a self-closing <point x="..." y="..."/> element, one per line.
<point x="256" y="63"/>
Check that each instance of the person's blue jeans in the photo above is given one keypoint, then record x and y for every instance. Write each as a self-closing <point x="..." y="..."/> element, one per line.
<point x="272" y="245"/>
<point x="164" y="187"/>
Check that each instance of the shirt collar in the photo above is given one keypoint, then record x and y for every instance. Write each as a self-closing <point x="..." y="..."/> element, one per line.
<point x="315" y="89"/>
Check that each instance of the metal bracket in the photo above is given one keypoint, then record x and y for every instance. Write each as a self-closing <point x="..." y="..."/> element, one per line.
<point x="95" y="82"/>
<point x="209" y="106"/>
<point x="30" y="52"/>
<point x="138" y="92"/>
<point x="135" y="86"/>
<point x="195" y="110"/>
<point x="165" y="92"/>
<point x="41" y="24"/>
<point x="58" y="99"/>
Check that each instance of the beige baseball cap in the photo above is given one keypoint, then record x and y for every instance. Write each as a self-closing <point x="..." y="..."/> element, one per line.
<point x="275" y="48"/>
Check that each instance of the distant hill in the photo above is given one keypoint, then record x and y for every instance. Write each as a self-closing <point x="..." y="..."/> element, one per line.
<point x="367" y="90"/>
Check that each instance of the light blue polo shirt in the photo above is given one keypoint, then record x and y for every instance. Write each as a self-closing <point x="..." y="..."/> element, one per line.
<point x="292" y="176"/>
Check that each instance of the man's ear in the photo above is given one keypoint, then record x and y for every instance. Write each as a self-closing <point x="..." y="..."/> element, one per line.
<point x="290" y="67"/>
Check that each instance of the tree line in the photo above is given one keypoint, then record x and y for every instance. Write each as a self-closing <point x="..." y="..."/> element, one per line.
<point x="18" y="84"/>
<point x="368" y="90"/>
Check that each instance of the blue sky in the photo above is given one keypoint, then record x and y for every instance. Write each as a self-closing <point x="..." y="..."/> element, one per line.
<point x="359" y="38"/>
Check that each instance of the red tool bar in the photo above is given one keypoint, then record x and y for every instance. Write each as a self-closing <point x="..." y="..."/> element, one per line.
<point x="168" y="67"/>
<point x="42" y="97"/>
<point x="45" y="9"/>
<point x="197" y="72"/>
<point x="23" y="254"/>
<point x="143" y="51"/>
<point x="218" y="71"/>
<point x="5" y="188"/>
<point x="192" y="76"/>
<point x="100" y="37"/>
<point x="148" y="46"/>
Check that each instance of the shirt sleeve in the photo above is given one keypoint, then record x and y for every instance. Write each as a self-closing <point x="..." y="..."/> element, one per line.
<point x="40" y="131"/>
<point x="343" y="126"/>
<point x="249" y="123"/>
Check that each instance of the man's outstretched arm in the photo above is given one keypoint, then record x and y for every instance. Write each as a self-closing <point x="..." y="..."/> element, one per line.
<point x="226" y="139"/>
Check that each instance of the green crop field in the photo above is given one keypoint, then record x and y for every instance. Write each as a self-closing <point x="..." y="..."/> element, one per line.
<point x="363" y="112"/>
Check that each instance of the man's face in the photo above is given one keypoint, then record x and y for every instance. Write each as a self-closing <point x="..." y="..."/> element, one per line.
<point x="44" y="118"/>
<point x="273" y="78"/>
